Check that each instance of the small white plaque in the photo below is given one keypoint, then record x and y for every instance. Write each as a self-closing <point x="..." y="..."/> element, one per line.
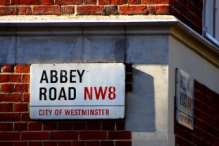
<point x="184" y="99"/>
<point x="77" y="91"/>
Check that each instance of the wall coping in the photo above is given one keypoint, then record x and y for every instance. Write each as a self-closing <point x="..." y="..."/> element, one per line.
<point x="122" y="25"/>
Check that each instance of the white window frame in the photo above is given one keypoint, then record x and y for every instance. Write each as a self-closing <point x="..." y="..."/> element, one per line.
<point x="211" y="20"/>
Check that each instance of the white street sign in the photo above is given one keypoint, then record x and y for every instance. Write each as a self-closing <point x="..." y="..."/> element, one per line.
<point x="77" y="91"/>
<point x="184" y="99"/>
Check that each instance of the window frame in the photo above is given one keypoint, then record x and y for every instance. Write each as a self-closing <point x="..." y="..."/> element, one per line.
<point x="213" y="36"/>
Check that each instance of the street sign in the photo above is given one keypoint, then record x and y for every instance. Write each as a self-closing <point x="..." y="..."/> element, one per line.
<point x="77" y="91"/>
<point x="184" y="99"/>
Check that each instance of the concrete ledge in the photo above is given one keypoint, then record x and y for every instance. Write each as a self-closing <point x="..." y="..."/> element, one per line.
<point x="86" y="19"/>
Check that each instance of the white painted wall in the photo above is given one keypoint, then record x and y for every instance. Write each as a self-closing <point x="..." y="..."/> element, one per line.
<point x="180" y="56"/>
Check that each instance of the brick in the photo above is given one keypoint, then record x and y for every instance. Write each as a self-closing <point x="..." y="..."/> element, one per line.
<point x="107" y="143"/>
<point x="90" y="10"/>
<point x="20" y="107"/>
<point x="67" y="9"/>
<point x="26" y="78"/>
<point x="34" y="136"/>
<point x="7" y="68"/>
<point x="119" y="135"/>
<point x="79" y="126"/>
<point x="128" y="68"/>
<point x="22" y="87"/>
<point x="4" y="78"/>
<point x="6" y="143"/>
<point x="9" y="117"/>
<point x="22" y="68"/>
<point x="11" y="97"/>
<point x="6" y="126"/>
<point x="104" y="2"/>
<point x="78" y="143"/>
<point x="25" y="117"/>
<point x="24" y="10"/>
<point x="177" y="140"/>
<point x="198" y="104"/>
<point x="211" y="94"/>
<point x="134" y="2"/>
<point x="4" y="2"/>
<point x="196" y="140"/>
<point x="50" y="143"/>
<point x="111" y="10"/>
<point x="128" y="78"/>
<point x="123" y="143"/>
<point x="20" y="126"/>
<point x="199" y="96"/>
<point x="64" y="143"/>
<point x="6" y="107"/>
<point x="9" y="136"/>
<point x="49" y="126"/>
<point x="128" y="87"/>
<point x="63" y="135"/>
<point x="151" y="10"/>
<point x="92" y="143"/>
<point x="199" y="124"/>
<point x="8" y="88"/>
<point x="35" y="126"/>
<point x="161" y="10"/>
<point x="197" y="113"/>
<point x="93" y="135"/>
<point x="204" y="117"/>
<point x="24" y="2"/>
<point x="155" y="1"/>
<point x="68" y="2"/>
<point x="47" y="2"/>
<point x="65" y="126"/>
<point x="198" y="86"/>
<point x="89" y="2"/>
<point x="93" y="125"/>
<point x="216" y="142"/>
<point x="118" y="2"/>
<point x="8" y="10"/>
<point x="133" y="10"/>
<point x="20" y="143"/>
<point x="46" y="10"/>
<point x="108" y="126"/>
<point x="215" y="132"/>
<point x="35" y="144"/>
<point x="120" y="125"/>
<point x="26" y="97"/>
<point x="14" y="78"/>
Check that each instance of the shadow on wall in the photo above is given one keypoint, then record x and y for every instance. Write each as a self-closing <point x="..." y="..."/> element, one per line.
<point x="140" y="104"/>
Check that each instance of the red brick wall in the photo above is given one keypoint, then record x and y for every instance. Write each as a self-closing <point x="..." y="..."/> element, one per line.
<point x="16" y="129"/>
<point x="83" y="7"/>
<point x="206" y="120"/>
<point x="189" y="12"/>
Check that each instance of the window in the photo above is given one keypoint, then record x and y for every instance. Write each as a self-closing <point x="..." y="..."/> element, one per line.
<point x="211" y="20"/>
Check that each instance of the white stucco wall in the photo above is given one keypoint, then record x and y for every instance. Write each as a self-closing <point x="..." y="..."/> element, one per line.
<point x="180" y="56"/>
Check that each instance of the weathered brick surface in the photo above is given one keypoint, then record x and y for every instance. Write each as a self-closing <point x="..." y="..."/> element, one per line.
<point x="47" y="10"/>
<point x="206" y="120"/>
<point x="24" y="10"/>
<point x="90" y="10"/>
<point x="8" y="10"/>
<point x="67" y="9"/>
<point x="17" y="129"/>
<point x="133" y="10"/>
<point x="4" y="2"/>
